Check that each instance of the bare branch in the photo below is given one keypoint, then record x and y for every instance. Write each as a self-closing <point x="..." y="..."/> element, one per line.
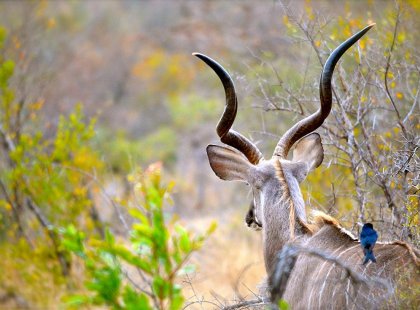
<point x="387" y="67"/>
<point x="246" y="304"/>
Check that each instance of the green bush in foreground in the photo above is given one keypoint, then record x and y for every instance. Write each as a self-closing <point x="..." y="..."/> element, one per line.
<point x="157" y="253"/>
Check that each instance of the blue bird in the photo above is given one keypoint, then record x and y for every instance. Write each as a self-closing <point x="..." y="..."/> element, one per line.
<point x="368" y="238"/>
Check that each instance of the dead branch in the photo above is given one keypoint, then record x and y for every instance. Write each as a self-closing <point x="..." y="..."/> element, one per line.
<point x="246" y="304"/>
<point x="388" y="65"/>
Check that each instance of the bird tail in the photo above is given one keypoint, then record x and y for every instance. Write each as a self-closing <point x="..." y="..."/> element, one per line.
<point x="369" y="257"/>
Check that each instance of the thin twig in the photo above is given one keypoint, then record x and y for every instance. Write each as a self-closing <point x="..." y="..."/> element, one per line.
<point x="246" y="304"/>
<point x="387" y="67"/>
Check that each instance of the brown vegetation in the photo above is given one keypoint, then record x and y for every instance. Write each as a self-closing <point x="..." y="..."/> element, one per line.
<point x="128" y="65"/>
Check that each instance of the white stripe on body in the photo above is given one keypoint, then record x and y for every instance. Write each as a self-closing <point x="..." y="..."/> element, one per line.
<point x="323" y="265"/>
<point x="319" y="271"/>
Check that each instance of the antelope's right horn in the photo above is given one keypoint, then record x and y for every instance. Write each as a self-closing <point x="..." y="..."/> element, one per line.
<point x="224" y="131"/>
<point x="314" y="121"/>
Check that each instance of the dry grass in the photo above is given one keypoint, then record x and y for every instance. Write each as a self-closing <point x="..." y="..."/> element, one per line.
<point x="230" y="266"/>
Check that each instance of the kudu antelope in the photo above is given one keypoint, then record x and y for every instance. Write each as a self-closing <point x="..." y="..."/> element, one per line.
<point x="279" y="207"/>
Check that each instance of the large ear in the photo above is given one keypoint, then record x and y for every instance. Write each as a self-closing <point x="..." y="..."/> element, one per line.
<point x="309" y="150"/>
<point x="228" y="164"/>
<point x="308" y="155"/>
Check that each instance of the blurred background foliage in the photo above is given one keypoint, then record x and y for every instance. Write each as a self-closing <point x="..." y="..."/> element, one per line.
<point x="91" y="91"/>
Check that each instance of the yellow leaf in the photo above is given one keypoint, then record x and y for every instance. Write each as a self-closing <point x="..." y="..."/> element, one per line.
<point x="131" y="178"/>
<point x="399" y="95"/>
<point x="80" y="191"/>
<point x="7" y="206"/>
<point x="37" y="105"/>
<point x="51" y="23"/>
<point x="16" y="42"/>
<point x="362" y="44"/>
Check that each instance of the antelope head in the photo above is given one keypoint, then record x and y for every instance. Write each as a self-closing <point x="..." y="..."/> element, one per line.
<point x="278" y="204"/>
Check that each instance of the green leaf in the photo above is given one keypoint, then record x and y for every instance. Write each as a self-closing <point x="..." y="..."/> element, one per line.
<point x="160" y="287"/>
<point x="109" y="237"/>
<point x="184" y="239"/>
<point x="106" y="283"/>
<point x="143" y="229"/>
<point x="283" y="305"/>
<point x="136" y="213"/>
<point x="75" y="301"/>
<point x="211" y="229"/>
<point x="135" y="301"/>
<point x="185" y="243"/>
<point x="177" y="302"/>
<point x="132" y="259"/>
<point x="6" y="71"/>
<point x="73" y="241"/>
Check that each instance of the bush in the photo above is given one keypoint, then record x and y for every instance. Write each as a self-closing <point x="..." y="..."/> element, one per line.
<point x="158" y="250"/>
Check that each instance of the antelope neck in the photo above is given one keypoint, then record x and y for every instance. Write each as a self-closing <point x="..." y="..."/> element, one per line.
<point x="293" y="199"/>
<point x="283" y="215"/>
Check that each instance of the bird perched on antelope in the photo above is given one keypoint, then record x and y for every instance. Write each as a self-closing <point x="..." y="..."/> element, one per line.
<point x="368" y="238"/>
